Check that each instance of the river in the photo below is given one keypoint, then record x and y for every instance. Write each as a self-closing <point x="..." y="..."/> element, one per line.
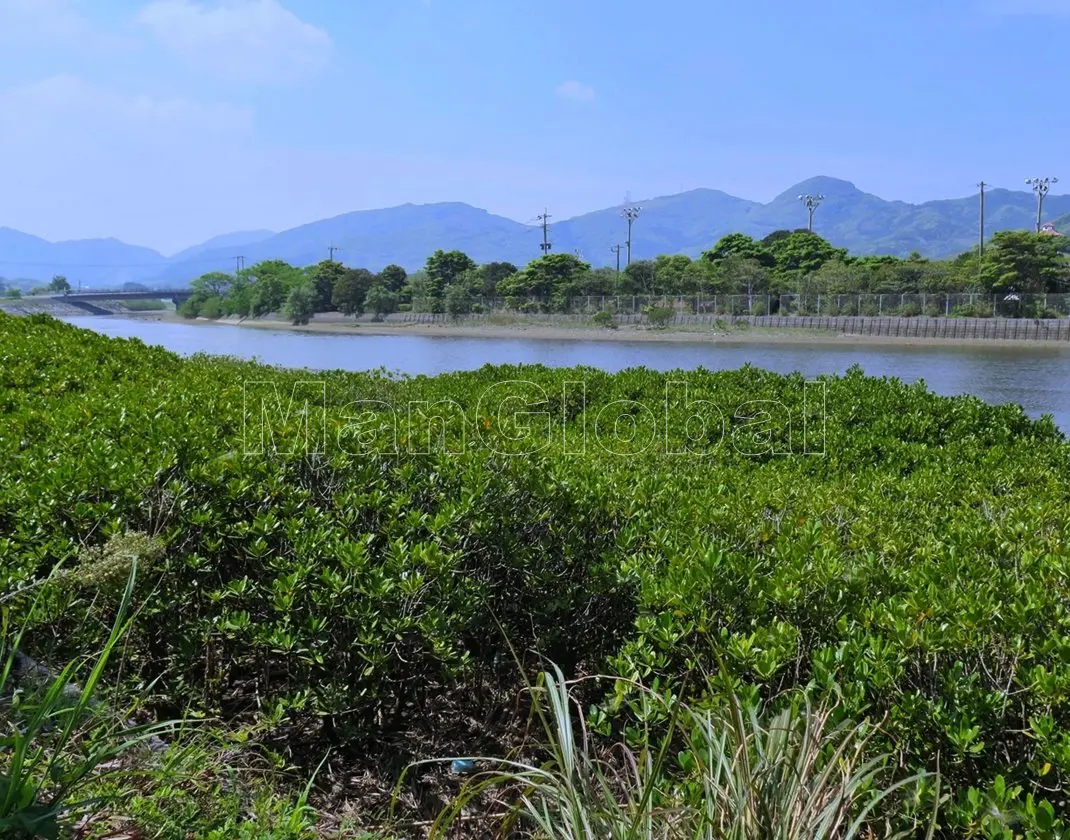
<point x="1033" y="377"/>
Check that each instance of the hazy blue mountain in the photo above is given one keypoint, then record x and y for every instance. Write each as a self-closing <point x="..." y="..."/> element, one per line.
<point x="373" y="239"/>
<point x="101" y="262"/>
<point x="89" y="261"/>
<point x="688" y="223"/>
<point x="866" y="224"/>
<point x="227" y="240"/>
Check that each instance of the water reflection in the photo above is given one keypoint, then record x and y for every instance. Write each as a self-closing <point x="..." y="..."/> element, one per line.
<point x="1033" y="377"/>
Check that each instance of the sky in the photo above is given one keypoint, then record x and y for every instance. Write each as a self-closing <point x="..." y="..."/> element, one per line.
<point x="166" y="122"/>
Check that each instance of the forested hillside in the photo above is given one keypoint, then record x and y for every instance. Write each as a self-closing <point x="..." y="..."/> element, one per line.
<point x="686" y="223"/>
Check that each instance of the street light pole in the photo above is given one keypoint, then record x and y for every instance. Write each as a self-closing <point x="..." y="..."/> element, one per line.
<point x="1040" y="187"/>
<point x="811" y="203"/>
<point x="630" y="214"/>
<point x="981" y="233"/>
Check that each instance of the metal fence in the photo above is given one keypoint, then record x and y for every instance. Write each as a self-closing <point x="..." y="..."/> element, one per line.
<point x="952" y="316"/>
<point x="932" y="305"/>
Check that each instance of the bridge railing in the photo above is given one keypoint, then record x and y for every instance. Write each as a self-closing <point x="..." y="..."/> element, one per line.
<point x="162" y="293"/>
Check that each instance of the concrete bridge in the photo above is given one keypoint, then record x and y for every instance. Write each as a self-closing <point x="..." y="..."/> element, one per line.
<point x="84" y="300"/>
<point x="176" y="296"/>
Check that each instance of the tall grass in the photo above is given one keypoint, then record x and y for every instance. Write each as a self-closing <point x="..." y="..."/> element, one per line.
<point x="55" y="740"/>
<point x="741" y="775"/>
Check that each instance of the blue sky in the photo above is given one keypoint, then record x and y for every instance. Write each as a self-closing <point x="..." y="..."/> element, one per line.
<point x="165" y="122"/>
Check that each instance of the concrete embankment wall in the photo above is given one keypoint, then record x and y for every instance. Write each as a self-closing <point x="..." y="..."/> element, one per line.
<point x="1012" y="329"/>
<point x="60" y="309"/>
<point x="974" y="329"/>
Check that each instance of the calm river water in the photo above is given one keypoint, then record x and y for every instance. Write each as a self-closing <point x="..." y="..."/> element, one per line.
<point x="1034" y="377"/>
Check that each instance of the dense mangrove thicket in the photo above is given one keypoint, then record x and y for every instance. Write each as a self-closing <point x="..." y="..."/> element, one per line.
<point x="352" y="578"/>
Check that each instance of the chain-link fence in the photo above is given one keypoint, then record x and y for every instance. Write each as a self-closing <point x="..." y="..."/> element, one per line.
<point x="639" y="307"/>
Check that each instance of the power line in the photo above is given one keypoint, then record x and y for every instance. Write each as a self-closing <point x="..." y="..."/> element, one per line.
<point x="161" y="265"/>
<point x="1040" y="187"/>
<point x="545" y="219"/>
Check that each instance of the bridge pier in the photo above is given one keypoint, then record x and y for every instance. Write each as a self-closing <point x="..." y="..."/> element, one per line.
<point x="86" y="306"/>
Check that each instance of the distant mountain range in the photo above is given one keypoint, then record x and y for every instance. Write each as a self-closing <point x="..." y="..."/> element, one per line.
<point x="686" y="223"/>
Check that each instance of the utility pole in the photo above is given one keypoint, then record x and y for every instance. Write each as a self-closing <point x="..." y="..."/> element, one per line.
<point x="330" y="251"/>
<point x="616" y="249"/>
<point x="812" y="202"/>
<point x="630" y="214"/>
<point x="545" y="219"/>
<point x="1040" y="187"/>
<point x="981" y="233"/>
<point x="239" y="265"/>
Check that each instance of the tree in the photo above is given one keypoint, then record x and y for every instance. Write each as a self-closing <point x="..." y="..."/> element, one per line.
<point x="964" y="271"/>
<point x="835" y="277"/>
<point x="777" y="236"/>
<point x="351" y="289"/>
<point x="675" y="275"/>
<point x="380" y="301"/>
<point x="12" y="293"/>
<point x="215" y="283"/>
<point x="741" y="246"/>
<point x="638" y="278"/>
<point x="741" y="276"/>
<point x="190" y="307"/>
<point x="392" y="278"/>
<point x="324" y="276"/>
<point x="272" y="281"/>
<point x="555" y="275"/>
<point x="59" y="284"/>
<point x="239" y="299"/>
<point x="457" y="300"/>
<point x="417" y="290"/>
<point x="802" y="252"/>
<point x="212" y="286"/>
<point x="1022" y="261"/>
<point x="134" y="287"/>
<point x="444" y="268"/>
<point x="472" y="280"/>
<point x="492" y="274"/>
<point x="212" y="308"/>
<point x="598" y="281"/>
<point x="299" y="304"/>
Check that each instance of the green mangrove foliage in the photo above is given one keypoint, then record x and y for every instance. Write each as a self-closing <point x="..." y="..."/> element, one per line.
<point x="345" y="561"/>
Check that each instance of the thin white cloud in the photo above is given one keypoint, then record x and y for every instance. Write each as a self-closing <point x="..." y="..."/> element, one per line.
<point x="239" y="40"/>
<point x="77" y="106"/>
<point x="27" y="24"/>
<point x="576" y="91"/>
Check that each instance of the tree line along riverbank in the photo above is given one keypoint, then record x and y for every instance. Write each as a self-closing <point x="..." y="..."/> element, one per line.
<point x="797" y="264"/>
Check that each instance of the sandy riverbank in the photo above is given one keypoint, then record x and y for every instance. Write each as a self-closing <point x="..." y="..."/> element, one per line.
<point x="335" y="324"/>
